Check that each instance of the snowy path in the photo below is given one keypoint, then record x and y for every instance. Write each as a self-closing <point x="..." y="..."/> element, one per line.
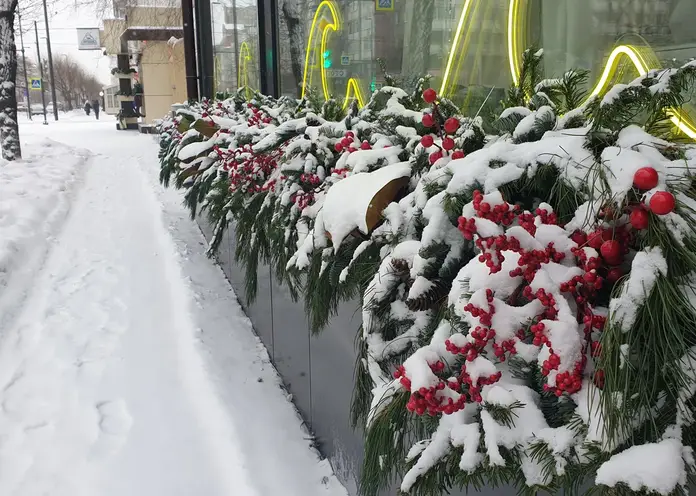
<point x="129" y="368"/>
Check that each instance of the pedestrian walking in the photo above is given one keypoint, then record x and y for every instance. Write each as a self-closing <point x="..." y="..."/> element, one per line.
<point x="95" y="106"/>
<point x="88" y="107"/>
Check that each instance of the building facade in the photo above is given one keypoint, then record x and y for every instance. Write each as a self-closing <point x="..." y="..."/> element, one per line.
<point x="471" y="48"/>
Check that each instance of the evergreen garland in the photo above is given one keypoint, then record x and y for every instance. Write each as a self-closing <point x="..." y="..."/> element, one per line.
<point x="428" y="269"/>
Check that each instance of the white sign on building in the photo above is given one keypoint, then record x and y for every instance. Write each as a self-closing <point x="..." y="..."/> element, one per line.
<point x="88" y="39"/>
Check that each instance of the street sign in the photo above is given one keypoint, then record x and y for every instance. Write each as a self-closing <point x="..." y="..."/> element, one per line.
<point x="384" y="5"/>
<point x="35" y="84"/>
<point x="345" y="59"/>
<point x="88" y="39"/>
<point x="336" y="73"/>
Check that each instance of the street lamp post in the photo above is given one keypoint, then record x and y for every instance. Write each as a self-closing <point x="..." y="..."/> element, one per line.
<point x="24" y="63"/>
<point x="38" y="55"/>
<point x="50" y="62"/>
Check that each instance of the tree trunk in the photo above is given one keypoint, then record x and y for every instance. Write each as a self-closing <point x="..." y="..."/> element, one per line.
<point x="291" y="15"/>
<point x="9" y="129"/>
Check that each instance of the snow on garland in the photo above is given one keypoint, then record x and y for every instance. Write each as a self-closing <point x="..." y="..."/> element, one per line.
<point x="527" y="298"/>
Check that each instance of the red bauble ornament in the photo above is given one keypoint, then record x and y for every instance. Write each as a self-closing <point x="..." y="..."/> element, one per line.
<point x="434" y="157"/>
<point x="429" y="95"/>
<point x="428" y="120"/>
<point x="451" y="125"/>
<point x="457" y="154"/>
<point x="645" y="178"/>
<point x="614" y="274"/>
<point x="611" y="251"/>
<point x="639" y="219"/>
<point x="338" y="147"/>
<point x="662" y="203"/>
<point x="448" y="143"/>
<point x="427" y="141"/>
<point x="365" y="145"/>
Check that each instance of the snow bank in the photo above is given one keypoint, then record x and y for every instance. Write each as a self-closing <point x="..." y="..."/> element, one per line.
<point x="34" y="198"/>
<point x="657" y="467"/>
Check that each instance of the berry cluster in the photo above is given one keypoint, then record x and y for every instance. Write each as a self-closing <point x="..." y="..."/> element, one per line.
<point x="444" y="130"/>
<point x="595" y="257"/>
<point x="351" y="144"/>
<point x="257" y="116"/>
<point x="248" y="171"/>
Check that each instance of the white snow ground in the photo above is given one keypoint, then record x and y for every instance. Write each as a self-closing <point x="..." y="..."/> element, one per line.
<point x="127" y="366"/>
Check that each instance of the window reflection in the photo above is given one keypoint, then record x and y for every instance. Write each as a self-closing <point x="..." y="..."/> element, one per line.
<point x="235" y="39"/>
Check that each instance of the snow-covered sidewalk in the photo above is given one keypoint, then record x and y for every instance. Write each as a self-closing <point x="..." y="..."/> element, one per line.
<point x="126" y="364"/>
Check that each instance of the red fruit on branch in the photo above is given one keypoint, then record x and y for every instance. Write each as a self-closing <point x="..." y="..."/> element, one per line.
<point x="645" y="178"/>
<point x="338" y="147"/>
<point x="639" y="219"/>
<point x="435" y="156"/>
<point x="611" y="251"/>
<point x="458" y="154"/>
<point x="427" y="141"/>
<point x="428" y="120"/>
<point x="662" y="202"/>
<point x="429" y="95"/>
<point x="448" y="143"/>
<point x="365" y="145"/>
<point x="451" y="125"/>
<point x="579" y="237"/>
<point x="595" y="240"/>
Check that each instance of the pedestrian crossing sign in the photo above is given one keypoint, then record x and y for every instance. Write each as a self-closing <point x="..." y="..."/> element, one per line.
<point x="35" y="83"/>
<point x="384" y="5"/>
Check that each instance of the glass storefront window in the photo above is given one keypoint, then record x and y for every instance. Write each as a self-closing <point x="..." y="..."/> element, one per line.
<point x="473" y="48"/>
<point x="235" y="42"/>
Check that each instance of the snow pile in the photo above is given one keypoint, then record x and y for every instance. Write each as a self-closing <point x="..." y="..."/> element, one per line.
<point x="35" y="196"/>
<point x="657" y="467"/>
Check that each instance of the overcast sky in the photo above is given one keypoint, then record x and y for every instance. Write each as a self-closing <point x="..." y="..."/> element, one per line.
<point x="64" y="19"/>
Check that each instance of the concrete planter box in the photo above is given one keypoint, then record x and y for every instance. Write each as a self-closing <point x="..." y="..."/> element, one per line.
<point x="317" y="370"/>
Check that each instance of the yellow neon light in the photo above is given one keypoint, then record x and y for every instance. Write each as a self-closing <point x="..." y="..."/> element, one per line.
<point x="325" y="26"/>
<point x="455" y="44"/>
<point x="353" y="84"/>
<point x="243" y="74"/>
<point x="513" y="52"/>
<point x="677" y="117"/>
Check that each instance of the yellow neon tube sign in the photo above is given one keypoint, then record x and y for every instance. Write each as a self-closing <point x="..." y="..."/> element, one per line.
<point x="243" y="74"/>
<point x="455" y="43"/>
<point x="326" y="27"/>
<point x="676" y="116"/>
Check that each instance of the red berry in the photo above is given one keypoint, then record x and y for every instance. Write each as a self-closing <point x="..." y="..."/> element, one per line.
<point x="645" y="178"/>
<point x="457" y="154"/>
<point x="611" y="251"/>
<point x="662" y="202"/>
<point x="350" y="134"/>
<point x="451" y="125"/>
<point x="579" y="237"/>
<point x="614" y="275"/>
<point x="435" y="156"/>
<point x="427" y="141"/>
<point x="639" y="219"/>
<point x="447" y="143"/>
<point x="429" y="95"/>
<point x="365" y="145"/>
<point x="595" y="240"/>
<point x="338" y="147"/>
<point x="428" y="120"/>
